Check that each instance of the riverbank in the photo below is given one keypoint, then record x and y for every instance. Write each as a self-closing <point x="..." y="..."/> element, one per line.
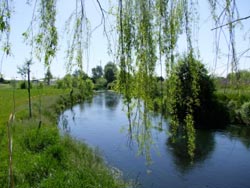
<point x="41" y="157"/>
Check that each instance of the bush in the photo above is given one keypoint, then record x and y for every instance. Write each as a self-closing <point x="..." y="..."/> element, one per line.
<point x="101" y="83"/>
<point x="245" y="113"/>
<point x="24" y="85"/>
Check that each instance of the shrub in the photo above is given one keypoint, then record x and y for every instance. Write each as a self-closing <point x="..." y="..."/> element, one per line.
<point x="245" y="113"/>
<point x="24" y="85"/>
<point x="101" y="83"/>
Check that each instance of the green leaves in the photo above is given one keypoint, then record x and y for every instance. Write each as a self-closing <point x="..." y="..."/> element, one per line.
<point x="5" y="13"/>
<point x="143" y="26"/>
<point x="42" y="33"/>
<point x="46" y="40"/>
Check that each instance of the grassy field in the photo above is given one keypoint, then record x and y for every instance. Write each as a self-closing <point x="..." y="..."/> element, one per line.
<point x="41" y="156"/>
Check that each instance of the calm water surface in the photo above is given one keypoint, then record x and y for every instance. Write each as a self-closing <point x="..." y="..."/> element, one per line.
<point x="222" y="161"/>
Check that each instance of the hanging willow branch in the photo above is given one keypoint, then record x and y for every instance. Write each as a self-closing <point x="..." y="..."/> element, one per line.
<point x="5" y="14"/>
<point x="227" y="11"/>
<point x="237" y="20"/>
<point x="42" y="33"/>
<point x="143" y="26"/>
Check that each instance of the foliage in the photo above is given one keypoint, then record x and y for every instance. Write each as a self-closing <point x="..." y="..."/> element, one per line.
<point x="239" y="79"/>
<point x="190" y="90"/>
<point x="5" y="16"/>
<point x="233" y="91"/>
<point x="143" y="27"/>
<point x="42" y="34"/>
<point x="79" y="73"/>
<point x="84" y="86"/>
<point x="110" y="72"/>
<point x="1" y="79"/>
<point x="24" y="85"/>
<point x="101" y="83"/>
<point x="97" y="73"/>
<point x="64" y="83"/>
<point x="23" y="71"/>
<point x="191" y="101"/>
<point x="78" y="30"/>
<point x="245" y="113"/>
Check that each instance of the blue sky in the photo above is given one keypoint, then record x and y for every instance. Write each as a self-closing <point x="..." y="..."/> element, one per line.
<point x="98" y="51"/>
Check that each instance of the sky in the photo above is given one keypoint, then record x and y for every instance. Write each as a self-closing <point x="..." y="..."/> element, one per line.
<point x="98" y="50"/>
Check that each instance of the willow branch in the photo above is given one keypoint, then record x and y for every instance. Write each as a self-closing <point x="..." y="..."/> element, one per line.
<point x="103" y="17"/>
<point x="240" y="19"/>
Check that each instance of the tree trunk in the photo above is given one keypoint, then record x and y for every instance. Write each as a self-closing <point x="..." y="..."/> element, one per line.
<point x="30" y="112"/>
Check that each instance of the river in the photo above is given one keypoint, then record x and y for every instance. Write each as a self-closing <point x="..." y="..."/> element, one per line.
<point x="148" y="159"/>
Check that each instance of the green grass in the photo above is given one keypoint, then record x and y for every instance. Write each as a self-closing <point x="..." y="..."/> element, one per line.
<point x="41" y="156"/>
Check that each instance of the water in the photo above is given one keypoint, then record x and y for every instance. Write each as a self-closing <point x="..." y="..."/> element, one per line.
<point x="222" y="160"/>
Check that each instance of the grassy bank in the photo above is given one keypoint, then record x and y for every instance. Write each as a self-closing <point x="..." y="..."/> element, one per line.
<point x="41" y="156"/>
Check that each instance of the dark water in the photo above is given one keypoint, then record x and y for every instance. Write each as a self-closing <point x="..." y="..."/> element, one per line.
<point x="222" y="159"/>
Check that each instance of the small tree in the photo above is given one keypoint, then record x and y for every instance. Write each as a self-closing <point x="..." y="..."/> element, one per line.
<point x="24" y="71"/>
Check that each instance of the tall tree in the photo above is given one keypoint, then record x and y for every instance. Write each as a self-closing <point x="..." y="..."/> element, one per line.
<point x="97" y="72"/>
<point x="110" y="71"/>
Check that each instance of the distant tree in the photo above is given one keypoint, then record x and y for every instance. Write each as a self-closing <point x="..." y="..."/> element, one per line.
<point x="101" y="83"/>
<point x="1" y="78"/>
<point x="241" y="77"/>
<point x="78" y="73"/>
<point x="110" y="71"/>
<point x="48" y="76"/>
<point x="97" y="72"/>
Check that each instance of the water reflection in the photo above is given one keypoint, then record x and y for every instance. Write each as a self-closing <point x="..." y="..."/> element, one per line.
<point x="204" y="146"/>
<point x="64" y="123"/>
<point x="112" y="100"/>
<point x="241" y="133"/>
<point x="140" y="129"/>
